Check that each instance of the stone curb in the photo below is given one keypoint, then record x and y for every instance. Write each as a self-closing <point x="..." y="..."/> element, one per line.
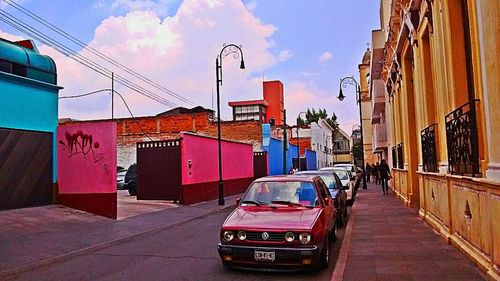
<point x="338" y="272"/>
<point x="99" y="246"/>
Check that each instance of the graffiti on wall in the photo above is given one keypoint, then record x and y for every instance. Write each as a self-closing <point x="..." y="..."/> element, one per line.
<point x="80" y="143"/>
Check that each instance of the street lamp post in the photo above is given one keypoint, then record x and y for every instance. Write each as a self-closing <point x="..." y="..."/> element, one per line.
<point x="236" y="51"/>
<point x="343" y="84"/>
<point x="298" y="141"/>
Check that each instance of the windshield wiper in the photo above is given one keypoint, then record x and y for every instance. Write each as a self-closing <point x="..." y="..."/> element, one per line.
<point x="255" y="202"/>
<point x="290" y="203"/>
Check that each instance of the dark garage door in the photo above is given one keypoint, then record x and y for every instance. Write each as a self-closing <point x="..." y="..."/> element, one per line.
<point x="25" y="168"/>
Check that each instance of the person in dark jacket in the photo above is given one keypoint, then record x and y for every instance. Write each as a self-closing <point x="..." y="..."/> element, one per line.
<point x="368" y="170"/>
<point x="376" y="170"/>
<point x="385" y="175"/>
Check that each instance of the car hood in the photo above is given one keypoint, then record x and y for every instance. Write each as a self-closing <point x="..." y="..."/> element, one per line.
<point x="273" y="218"/>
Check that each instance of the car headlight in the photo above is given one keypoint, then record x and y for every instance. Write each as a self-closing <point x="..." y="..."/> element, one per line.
<point x="228" y="235"/>
<point x="289" y="237"/>
<point x="305" y="238"/>
<point x="242" y="235"/>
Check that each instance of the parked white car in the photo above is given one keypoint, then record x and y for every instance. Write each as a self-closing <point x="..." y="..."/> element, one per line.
<point x="355" y="172"/>
<point x="345" y="177"/>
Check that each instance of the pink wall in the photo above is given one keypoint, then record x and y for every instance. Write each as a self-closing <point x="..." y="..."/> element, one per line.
<point x="237" y="159"/>
<point x="86" y="158"/>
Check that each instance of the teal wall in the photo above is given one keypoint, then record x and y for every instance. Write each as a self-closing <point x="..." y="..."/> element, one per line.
<point x="29" y="105"/>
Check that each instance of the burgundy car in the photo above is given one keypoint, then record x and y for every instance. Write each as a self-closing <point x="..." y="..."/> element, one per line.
<point x="282" y="222"/>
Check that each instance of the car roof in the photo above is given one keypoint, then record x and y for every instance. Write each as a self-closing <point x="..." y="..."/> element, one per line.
<point x="287" y="178"/>
<point x="315" y="172"/>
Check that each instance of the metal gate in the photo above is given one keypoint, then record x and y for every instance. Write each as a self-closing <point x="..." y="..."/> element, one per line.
<point x="25" y="168"/>
<point x="260" y="164"/>
<point x="159" y="170"/>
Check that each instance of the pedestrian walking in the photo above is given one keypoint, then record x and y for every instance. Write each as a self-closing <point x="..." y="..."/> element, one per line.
<point x="385" y="175"/>
<point x="368" y="170"/>
<point x="376" y="171"/>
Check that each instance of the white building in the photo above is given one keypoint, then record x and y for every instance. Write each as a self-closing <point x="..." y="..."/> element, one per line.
<point x="321" y="141"/>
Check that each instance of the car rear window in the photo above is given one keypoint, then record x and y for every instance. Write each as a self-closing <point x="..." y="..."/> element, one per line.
<point x="342" y="174"/>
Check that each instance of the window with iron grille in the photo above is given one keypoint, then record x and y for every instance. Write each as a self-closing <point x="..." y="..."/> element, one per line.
<point x="400" y="156"/>
<point x="429" y="157"/>
<point x="462" y="141"/>
<point x="394" y="157"/>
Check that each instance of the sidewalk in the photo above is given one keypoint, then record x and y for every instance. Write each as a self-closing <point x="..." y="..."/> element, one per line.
<point x="389" y="242"/>
<point x="34" y="237"/>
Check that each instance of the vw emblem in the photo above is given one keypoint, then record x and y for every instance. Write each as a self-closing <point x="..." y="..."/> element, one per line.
<point x="265" y="236"/>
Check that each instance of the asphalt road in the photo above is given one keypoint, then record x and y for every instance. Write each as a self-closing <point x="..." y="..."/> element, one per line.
<point x="184" y="252"/>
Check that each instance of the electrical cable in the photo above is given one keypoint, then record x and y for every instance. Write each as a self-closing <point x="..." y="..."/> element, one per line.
<point x="95" y="52"/>
<point x="121" y="97"/>
<point x="12" y="21"/>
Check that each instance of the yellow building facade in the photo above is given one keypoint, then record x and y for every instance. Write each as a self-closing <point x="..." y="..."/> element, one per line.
<point x="370" y="155"/>
<point x="440" y="75"/>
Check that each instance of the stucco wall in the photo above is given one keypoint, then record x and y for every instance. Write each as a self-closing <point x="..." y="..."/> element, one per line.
<point x="29" y="105"/>
<point x="87" y="167"/>
<point x="237" y="159"/>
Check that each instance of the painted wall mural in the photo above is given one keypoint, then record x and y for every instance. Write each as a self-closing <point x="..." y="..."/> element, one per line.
<point x="87" y="167"/>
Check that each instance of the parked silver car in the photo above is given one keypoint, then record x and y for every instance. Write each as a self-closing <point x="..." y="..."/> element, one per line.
<point x="345" y="177"/>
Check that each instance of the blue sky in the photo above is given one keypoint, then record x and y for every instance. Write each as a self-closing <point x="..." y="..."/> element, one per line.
<point x="175" y="43"/>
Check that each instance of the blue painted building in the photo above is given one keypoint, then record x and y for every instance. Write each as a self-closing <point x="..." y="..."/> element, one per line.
<point x="311" y="159"/>
<point x="275" y="155"/>
<point x="28" y="123"/>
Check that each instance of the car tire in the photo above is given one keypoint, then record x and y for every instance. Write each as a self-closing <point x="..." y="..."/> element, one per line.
<point x="340" y="219"/>
<point x="324" y="261"/>
<point x="334" y="232"/>
<point x="132" y="189"/>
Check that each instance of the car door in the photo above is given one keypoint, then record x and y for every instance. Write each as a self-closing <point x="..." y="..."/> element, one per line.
<point x="328" y="208"/>
<point x="342" y="195"/>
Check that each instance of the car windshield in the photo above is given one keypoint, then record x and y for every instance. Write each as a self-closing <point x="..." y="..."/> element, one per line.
<point x="342" y="174"/>
<point x="289" y="193"/>
<point x="329" y="180"/>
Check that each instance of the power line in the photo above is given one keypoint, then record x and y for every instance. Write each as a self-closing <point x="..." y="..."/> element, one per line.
<point x="95" y="52"/>
<point x="121" y="97"/>
<point x="12" y="21"/>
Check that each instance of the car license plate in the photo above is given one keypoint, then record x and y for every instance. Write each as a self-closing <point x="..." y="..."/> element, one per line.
<point x="264" y="256"/>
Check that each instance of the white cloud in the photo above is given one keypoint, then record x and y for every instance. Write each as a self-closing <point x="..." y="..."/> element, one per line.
<point x="177" y="52"/>
<point x="326" y="56"/>
<point x="284" y="55"/>
<point x="251" y="5"/>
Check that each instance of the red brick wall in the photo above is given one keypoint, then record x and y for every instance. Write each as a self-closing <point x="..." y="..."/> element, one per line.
<point x="243" y="131"/>
<point x="303" y="142"/>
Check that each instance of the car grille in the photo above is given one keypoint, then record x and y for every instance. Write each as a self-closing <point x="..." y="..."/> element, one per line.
<point x="273" y="236"/>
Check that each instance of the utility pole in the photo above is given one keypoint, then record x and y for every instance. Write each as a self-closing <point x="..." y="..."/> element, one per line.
<point x="112" y="95"/>
<point x="285" y="140"/>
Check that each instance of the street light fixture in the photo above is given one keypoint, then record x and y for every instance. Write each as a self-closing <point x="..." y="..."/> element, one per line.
<point x="349" y="80"/>
<point x="236" y="51"/>
<point x="298" y="140"/>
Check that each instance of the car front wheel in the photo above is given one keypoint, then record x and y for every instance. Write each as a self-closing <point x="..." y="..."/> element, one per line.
<point x="325" y="254"/>
<point x="132" y="189"/>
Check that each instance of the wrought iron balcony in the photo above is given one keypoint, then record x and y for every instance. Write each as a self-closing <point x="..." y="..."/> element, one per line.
<point x="462" y="140"/>
<point x="429" y="156"/>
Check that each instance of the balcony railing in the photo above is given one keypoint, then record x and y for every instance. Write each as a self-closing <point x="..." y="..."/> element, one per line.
<point x="462" y="140"/>
<point x="429" y="156"/>
<point x="400" y="156"/>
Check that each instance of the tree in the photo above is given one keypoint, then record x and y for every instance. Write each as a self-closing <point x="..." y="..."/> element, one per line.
<point x="313" y="116"/>
<point x="357" y="151"/>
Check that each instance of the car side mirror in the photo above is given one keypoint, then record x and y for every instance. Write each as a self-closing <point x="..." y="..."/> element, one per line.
<point x="238" y="201"/>
<point x="327" y="201"/>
